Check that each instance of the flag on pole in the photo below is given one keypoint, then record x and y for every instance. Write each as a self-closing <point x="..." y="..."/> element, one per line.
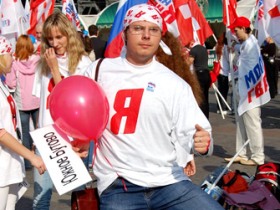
<point x="13" y="17"/>
<point x="27" y="11"/>
<point x="40" y="10"/>
<point x="191" y="19"/>
<point x="179" y="17"/>
<point x="272" y="19"/>
<point x="260" y="23"/>
<point x="115" y="41"/>
<point x="184" y="18"/>
<point x="229" y="16"/>
<point x="229" y="11"/>
<point x="268" y="20"/>
<point x="69" y="9"/>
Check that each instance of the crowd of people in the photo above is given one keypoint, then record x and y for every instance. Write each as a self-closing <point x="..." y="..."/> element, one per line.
<point x="146" y="160"/>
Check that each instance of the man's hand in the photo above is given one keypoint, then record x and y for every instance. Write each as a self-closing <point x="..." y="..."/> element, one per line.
<point x="80" y="147"/>
<point x="190" y="168"/>
<point x="201" y="140"/>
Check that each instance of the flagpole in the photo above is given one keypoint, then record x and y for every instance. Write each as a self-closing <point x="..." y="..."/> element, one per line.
<point x="230" y="60"/>
<point x="83" y="23"/>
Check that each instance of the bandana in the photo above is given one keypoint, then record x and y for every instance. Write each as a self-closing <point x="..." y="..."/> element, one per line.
<point x="145" y="12"/>
<point x="5" y="46"/>
<point x="142" y="12"/>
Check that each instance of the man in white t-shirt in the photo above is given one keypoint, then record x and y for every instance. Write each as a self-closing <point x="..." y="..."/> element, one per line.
<point x="151" y="111"/>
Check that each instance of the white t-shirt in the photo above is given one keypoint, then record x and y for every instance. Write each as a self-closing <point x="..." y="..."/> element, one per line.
<point x="11" y="164"/>
<point x="225" y="67"/>
<point x="152" y="111"/>
<point x="44" y="84"/>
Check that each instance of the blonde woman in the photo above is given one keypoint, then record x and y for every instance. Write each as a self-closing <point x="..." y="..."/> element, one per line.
<point x="63" y="55"/>
<point x="12" y="169"/>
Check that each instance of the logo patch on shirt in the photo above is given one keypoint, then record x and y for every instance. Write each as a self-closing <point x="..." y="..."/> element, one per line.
<point x="151" y="87"/>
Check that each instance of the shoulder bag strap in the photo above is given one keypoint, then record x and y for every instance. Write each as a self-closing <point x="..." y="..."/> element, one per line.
<point x="97" y="69"/>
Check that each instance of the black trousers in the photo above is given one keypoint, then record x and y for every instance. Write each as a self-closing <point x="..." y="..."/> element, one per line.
<point x="277" y="70"/>
<point x="223" y="88"/>
<point x="270" y="69"/>
<point x="204" y="80"/>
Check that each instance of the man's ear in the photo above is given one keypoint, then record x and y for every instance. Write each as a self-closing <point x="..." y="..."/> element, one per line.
<point x="124" y="37"/>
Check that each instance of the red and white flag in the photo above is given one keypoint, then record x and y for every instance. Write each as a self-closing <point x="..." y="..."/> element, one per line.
<point x="185" y="20"/>
<point x="229" y="11"/>
<point x="272" y="19"/>
<point x="69" y="9"/>
<point x="200" y="27"/>
<point x="260" y="23"/>
<point x="13" y="17"/>
<point x="40" y="10"/>
<point x="268" y="20"/>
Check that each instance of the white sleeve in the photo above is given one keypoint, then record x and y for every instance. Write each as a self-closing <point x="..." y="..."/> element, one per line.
<point x="90" y="71"/>
<point x="225" y="61"/>
<point x="83" y="65"/>
<point x="186" y="115"/>
<point x="36" y="90"/>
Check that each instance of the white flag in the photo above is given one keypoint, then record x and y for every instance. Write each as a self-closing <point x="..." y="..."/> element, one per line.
<point x="69" y="9"/>
<point x="268" y="20"/>
<point x="252" y="82"/>
<point x="13" y="18"/>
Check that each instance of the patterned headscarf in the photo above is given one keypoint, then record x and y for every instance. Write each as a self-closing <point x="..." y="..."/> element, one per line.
<point x="142" y="12"/>
<point x="5" y="46"/>
<point x="145" y="12"/>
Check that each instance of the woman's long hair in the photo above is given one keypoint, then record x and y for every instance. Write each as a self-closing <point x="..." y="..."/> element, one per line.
<point x="75" y="48"/>
<point x="222" y="40"/>
<point x="3" y="64"/>
<point x="177" y="63"/>
<point x="24" y="48"/>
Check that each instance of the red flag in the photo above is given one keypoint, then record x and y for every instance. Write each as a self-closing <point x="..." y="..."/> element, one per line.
<point x="274" y="12"/>
<point x="191" y="22"/>
<point x="184" y="21"/>
<point x="229" y="11"/>
<point x="40" y="10"/>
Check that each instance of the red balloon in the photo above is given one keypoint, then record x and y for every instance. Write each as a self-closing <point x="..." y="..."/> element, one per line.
<point x="79" y="107"/>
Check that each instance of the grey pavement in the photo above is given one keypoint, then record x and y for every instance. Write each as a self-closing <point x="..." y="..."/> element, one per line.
<point x="224" y="146"/>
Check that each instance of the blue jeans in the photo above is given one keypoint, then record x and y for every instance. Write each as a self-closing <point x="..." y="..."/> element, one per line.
<point x="25" y="125"/>
<point x="43" y="186"/>
<point x="181" y="195"/>
<point x="88" y="160"/>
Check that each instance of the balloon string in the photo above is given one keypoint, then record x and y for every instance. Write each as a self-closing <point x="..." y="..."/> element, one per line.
<point x="94" y="158"/>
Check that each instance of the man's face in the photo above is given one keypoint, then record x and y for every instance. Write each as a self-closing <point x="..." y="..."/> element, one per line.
<point x="39" y="33"/>
<point x="240" y="33"/>
<point x="142" y="41"/>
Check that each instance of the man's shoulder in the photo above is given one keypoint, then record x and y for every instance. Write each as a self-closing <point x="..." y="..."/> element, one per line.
<point x="97" y="39"/>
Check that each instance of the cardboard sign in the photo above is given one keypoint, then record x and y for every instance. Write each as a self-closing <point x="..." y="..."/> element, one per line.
<point x="65" y="167"/>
